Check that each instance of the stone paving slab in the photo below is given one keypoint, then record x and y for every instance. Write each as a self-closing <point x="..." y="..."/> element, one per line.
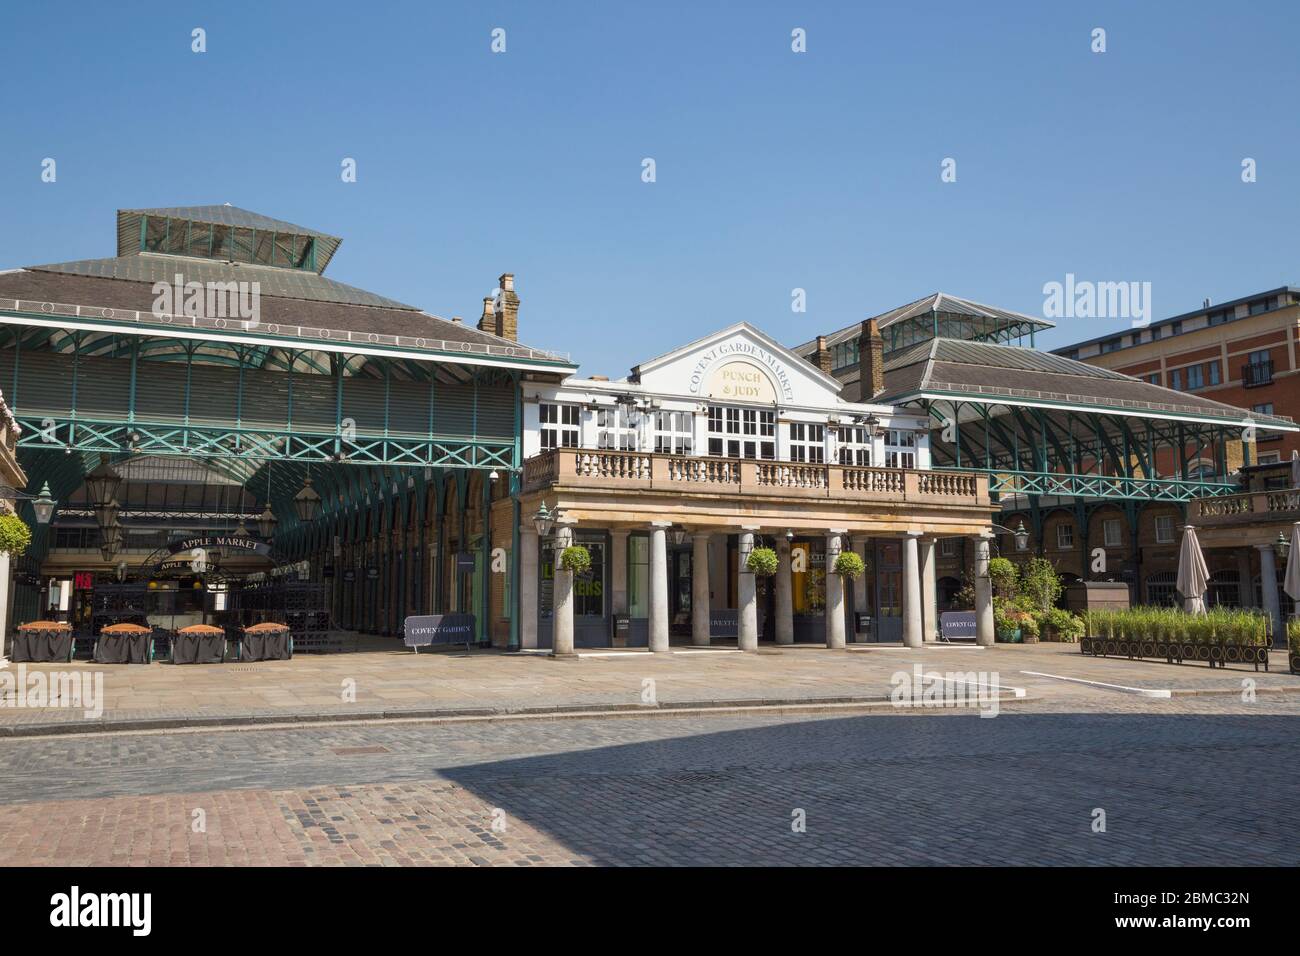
<point x="397" y="684"/>
<point x="1200" y="780"/>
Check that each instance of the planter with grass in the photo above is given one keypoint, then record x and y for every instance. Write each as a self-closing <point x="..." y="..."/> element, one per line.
<point x="1218" y="638"/>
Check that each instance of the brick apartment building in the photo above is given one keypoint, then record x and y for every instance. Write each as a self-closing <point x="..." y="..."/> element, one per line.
<point x="1241" y="353"/>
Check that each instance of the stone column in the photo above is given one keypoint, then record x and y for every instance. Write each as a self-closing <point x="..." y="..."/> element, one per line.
<point x="527" y="586"/>
<point x="834" y="594"/>
<point x="659" y="587"/>
<point x="1268" y="588"/>
<point x="912" y="621"/>
<point x="700" y="605"/>
<point x="562" y="615"/>
<point x="1246" y="585"/>
<point x="983" y="594"/>
<point x="746" y="596"/>
<point x="784" y="594"/>
<point x="929" y="590"/>
<point x="618" y="570"/>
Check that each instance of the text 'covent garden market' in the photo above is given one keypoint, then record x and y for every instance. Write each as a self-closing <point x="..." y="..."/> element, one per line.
<point x="328" y="459"/>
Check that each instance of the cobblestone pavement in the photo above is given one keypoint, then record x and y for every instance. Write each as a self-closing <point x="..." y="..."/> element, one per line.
<point x="1193" y="780"/>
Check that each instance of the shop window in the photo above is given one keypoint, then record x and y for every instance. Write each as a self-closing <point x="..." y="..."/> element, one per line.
<point x="674" y="432"/>
<point x="638" y="576"/>
<point x="854" y="445"/>
<point x="807" y="442"/>
<point x="559" y="425"/>
<point x="900" y="448"/>
<point x="809" y="584"/>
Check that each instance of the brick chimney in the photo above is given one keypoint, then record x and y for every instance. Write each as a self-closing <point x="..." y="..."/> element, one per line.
<point x="871" y="361"/>
<point x="502" y="317"/>
<point x="822" y="357"/>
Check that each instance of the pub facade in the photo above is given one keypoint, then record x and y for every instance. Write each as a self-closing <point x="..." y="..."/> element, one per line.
<point x="670" y="476"/>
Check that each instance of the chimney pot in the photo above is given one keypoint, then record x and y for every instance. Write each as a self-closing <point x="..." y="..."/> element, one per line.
<point x="871" y="361"/>
<point x="501" y="315"/>
<point x="822" y="357"/>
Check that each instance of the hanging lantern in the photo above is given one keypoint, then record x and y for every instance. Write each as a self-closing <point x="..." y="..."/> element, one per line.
<point x="102" y="483"/>
<point x="306" y="502"/>
<point x="43" y="505"/>
<point x="106" y="514"/>
<point x="110" y="541"/>
<point x="543" y="521"/>
<point x="266" y="522"/>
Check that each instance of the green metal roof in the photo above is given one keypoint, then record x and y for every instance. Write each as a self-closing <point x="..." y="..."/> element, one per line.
<point x="233" y="217"/>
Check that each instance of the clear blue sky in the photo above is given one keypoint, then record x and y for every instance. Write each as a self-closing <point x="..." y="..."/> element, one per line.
<point x="775" y="170"/>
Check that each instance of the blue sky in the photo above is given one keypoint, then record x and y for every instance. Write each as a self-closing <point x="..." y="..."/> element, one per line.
<point x="775" y="170"/>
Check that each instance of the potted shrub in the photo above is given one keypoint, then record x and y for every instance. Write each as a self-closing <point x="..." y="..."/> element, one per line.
<point x="763" y="562"/>
<point x="1006" y="624"/>
<point x="1060" y="625"/>
<point x="576" y="559"/>
<point x="1293" y="644"/>
<point x="849" y="564"/>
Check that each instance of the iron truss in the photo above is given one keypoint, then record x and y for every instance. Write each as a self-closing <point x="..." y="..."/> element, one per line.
<point x="85" y="435"/>
<point x="1102" y="486"/>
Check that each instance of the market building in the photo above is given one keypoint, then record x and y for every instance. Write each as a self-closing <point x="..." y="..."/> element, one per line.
<point x="1100" y="467"/>
<point x="671" y="476"/>
<point x="229" y="434"/>
<point x="1243" y="353"/>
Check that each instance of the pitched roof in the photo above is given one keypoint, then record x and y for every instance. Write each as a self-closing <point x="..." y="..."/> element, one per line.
<point x="128" y="226"/>
<point x="272" y="281"/>
<point x="980" y="370"/>
<point x="935" y="302"/>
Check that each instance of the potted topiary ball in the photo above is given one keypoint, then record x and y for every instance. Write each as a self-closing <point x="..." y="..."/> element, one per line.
<point x="762" y="561"/>
<point x="575" y="559"/>
<point x="849" y="564"/>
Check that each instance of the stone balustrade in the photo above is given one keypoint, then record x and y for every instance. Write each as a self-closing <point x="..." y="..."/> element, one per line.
<point x="645" y="471"/>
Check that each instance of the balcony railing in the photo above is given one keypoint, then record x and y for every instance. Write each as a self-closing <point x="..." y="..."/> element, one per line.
<point x="1251" y="506"/>
<point x="645" y="471"/>
<point x="1254" y="374"/>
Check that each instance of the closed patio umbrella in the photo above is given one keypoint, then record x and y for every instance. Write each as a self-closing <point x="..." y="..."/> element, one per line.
<point x="1291" y="582"/>
<point x="1193" y="575"/>
<point x="1295" y="469"/>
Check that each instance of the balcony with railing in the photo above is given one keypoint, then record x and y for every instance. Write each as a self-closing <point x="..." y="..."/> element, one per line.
<point x="1252" y="507"/>
<point x="1255" y="374"/>
<point x="577" y="468"/>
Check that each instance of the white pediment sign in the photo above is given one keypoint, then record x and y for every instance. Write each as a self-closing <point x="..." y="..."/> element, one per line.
<point x="740" y="365"/>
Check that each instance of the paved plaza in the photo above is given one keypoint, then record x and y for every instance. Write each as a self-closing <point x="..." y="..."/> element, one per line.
<point x="1196" y="778"/>
<point x="398" y="683"/>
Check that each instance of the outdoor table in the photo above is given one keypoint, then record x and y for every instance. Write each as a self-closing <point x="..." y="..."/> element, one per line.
<point x="199" y="644"/>
<point x="124" y="644"/>
<point x="43" y="641"/>
<point x="266" y="642"/>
